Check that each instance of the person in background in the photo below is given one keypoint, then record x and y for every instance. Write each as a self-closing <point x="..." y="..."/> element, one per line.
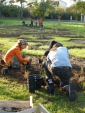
<point x="31" y="22"/>
<point x="58" y="65"/>
<point x="14" y="56"/>
<point x="40" y="22"/>
<point x="23" y="23"/>
<point x="36" y="22"/>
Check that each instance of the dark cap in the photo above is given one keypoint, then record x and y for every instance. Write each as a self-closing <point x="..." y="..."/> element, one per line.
<point x="46" y="53"/>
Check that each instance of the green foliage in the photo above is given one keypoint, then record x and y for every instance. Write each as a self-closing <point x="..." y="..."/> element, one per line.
<point x="21" y="1"/>
<point x="44" y="9"/>
<point x="74" y="12"/>
<point x="41" y="9"/>
<point x="26" y="12"/>
<point x="1" y="6"/>
<point x="11" y="11"/>
<point x="21" y="8"/>
<point x="11" y="2"/>
<point x="81" y="6"/>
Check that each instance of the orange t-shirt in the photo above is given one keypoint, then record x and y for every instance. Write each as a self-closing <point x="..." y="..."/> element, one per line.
<point x="40" y="21"/>
<point x="14" y="51"/>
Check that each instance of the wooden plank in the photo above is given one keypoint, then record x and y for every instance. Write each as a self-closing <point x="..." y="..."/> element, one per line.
<point x="41" y="109"/>
<point x="30" y="110"/>
<point x="15" y="104"/>
<point x="7" y="112"/>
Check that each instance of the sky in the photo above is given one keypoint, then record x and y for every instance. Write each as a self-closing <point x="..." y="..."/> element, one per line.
<point x="69" y="2"/>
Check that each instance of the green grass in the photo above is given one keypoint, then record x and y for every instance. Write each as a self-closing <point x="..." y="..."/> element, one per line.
<point x="11" y="89"/>
<point x="34" y="52"/>
<point x="10" y="22"/>
<point x="7" y="43"/>
<point x="29" y="37"/>
<point x="77" y="52"/>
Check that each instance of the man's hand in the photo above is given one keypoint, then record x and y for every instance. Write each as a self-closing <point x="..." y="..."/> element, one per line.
<point x="27" y="66"/>
<point x="30" y="60"/>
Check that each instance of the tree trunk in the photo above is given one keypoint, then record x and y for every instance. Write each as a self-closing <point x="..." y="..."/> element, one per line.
<point x="84" y="18"/>
<point x="21" y="12"/>
<point x="0" y="14"/>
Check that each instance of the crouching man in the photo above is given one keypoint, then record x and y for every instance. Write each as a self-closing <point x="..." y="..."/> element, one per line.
<point x="58" y="65"/>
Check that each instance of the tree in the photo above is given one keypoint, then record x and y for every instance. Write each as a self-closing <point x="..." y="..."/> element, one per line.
<point x="80" y="5"/>
<point x="21" y="3"/>
<point x="1" y="6"/>
<point x="41" y="9"/>
<point x="26" y="13"/>
<point x="10" y="11"/>
<point x="74" y="12"/>
<point x="11" y="2"/>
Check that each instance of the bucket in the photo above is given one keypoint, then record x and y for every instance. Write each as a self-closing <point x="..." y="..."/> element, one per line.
<point x="34" y="82"/>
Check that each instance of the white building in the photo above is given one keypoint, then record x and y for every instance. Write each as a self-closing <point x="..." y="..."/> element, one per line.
<point x="62" y="4"/>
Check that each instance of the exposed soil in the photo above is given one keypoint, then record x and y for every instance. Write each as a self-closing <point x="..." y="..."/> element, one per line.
<point x="78" y="70"/>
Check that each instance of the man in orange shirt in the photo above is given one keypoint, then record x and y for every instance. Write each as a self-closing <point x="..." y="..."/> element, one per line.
<point x="40" y="22"/>
<point x="13" y="58"/>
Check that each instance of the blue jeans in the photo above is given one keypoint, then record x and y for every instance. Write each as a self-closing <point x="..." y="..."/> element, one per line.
<point x="64" y="73"/>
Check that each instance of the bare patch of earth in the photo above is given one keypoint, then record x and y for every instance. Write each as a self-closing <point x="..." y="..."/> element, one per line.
<point x="79" y="41"/>
<point x="22" y="75"/>
<point x="78" y="64"/>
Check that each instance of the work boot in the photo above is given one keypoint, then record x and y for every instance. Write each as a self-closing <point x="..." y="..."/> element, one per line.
<point x="66" y="89"/>
<point x="5" y="71"/>
<point x="70" y="91"/>
<point x="10" y="67"/>
<point x="50" y="87"/>
<point x="15" y="67"/>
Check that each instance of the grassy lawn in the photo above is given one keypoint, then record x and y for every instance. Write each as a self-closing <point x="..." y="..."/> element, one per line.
<point x="11" y="89"/>
<point x="57" y="103"/>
